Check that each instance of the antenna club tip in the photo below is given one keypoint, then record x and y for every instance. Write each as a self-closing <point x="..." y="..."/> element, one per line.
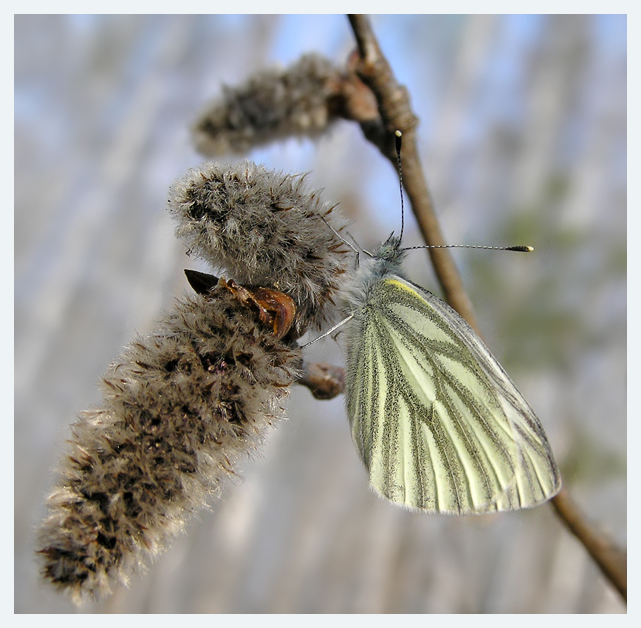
<point x="398" y="140"/>
<point x="521" y="249"/>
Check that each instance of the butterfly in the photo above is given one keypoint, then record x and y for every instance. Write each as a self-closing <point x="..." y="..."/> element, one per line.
<point x="436" y="420"/>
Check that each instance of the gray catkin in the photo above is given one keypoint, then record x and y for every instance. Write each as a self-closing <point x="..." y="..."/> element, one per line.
<point x="180" y="407"/>
<point x="271" y="105"/>
<point x="266" y="229"/>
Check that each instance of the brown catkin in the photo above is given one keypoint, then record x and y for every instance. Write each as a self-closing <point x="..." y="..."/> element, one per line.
<point x="272" y="104"/>
<point x="180" y="407"/>
<point x="266" y="229"/>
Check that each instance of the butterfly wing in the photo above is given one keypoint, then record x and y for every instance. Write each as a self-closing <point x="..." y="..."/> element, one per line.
<point x="437" y="421"/>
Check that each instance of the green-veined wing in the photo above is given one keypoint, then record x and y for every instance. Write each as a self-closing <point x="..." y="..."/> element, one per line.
<point x="437" y="421"/>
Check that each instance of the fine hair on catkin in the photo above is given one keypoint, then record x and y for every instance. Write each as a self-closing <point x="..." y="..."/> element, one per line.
<point x="180" y="407"/>
<point x="273" y="104"/>
<point x="266" y="228"/>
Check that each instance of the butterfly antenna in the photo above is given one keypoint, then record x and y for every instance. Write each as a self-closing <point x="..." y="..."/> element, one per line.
<point x="398" y="139"/>
<point x="520" y="249"/>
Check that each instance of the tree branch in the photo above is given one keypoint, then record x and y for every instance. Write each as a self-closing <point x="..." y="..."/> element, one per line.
<point x="612" y="560"/>
<point x="396" y="113"/>
<point x="325" y="381"/>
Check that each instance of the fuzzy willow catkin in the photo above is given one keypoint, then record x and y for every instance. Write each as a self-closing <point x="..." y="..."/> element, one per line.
<point x="267" y="229"/>
<point x="180" y="407"/>
<point x="270" y="105"/>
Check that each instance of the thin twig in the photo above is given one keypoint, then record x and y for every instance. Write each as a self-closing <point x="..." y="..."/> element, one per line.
<point x="396" y="113"/>
<point x="612" y="559"/>
<point x="325" y="381"/>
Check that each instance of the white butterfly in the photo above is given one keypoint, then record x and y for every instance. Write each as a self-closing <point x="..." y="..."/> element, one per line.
<point x="435" y="418"/>
<point x="437" y="421"/>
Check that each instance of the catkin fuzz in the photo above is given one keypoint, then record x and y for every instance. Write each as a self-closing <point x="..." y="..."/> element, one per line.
<point x="180" y="408"/>
<point x="266" y="229"/>
<point x="270" y="105"/>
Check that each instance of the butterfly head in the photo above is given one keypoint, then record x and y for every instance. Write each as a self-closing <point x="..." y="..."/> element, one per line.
<point x="390" y="251"/>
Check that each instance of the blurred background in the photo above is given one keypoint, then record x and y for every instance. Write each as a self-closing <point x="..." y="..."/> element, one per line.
<point x="523" y="139"/>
